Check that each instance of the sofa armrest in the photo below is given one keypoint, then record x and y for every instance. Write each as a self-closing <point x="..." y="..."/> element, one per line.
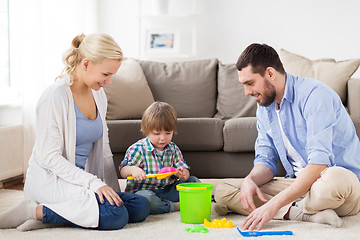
<point x="356" y="122"/>
<point x="353" y="100"/>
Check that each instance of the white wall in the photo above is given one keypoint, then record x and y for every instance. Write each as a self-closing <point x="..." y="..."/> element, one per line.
<point x="119" y="18"/>
<point x="314" y="29"/>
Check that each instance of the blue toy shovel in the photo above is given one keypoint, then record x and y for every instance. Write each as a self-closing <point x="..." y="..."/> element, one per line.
<point x="261" y="233"/>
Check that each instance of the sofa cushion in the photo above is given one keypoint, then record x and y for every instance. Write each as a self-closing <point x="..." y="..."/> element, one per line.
<point x="199" y="134"/>
<point x="231" y="100"/>
<point x="334" y="74"/>
<point x="129" y="94"/>
<point x="123" y="133"/>
<point x="194" y="134"/>
<point x="190" y="86"/>
<point x="354" y="97"/>
<point x="356" y="122"/>
<point x="240" y="134"/>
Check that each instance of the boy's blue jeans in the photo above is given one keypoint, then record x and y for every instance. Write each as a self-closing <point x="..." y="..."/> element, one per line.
<point x="162" y="200"/>
<point x="135" y="209"/>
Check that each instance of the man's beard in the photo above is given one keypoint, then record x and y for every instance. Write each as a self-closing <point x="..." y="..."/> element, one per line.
<point x="269" y="95"/>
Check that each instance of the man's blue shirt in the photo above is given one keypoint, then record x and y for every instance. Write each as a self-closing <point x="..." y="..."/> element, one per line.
<point x="315" y="122"/>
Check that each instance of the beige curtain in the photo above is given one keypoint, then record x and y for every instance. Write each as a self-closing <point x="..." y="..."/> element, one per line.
<point x="40" y="31"/>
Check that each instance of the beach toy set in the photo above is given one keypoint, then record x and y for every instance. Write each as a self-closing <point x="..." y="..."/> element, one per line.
<point x="195" y="207"/>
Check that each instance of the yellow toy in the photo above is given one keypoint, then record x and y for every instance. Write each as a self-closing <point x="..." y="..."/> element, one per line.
<point x="216" y="223"/>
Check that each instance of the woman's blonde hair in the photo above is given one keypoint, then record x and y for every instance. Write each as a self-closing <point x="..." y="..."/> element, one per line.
<point x="94" y="47"/>
<point x="158" y="116"/>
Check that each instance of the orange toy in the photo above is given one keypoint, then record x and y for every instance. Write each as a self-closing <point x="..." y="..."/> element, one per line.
<point x="216" y="223"/>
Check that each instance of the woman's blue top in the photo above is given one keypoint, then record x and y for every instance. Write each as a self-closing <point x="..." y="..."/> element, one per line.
<point x="87" y="133"/>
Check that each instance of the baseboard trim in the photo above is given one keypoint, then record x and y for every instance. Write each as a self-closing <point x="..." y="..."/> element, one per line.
<point x="16" y="182"/>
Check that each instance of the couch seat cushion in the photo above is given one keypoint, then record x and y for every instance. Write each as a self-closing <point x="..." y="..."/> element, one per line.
<point x="199" y="134"/>
<point x="190" y="86"/>
<point x="240" y="134"/>
<point x="123" y="133"/>
<point x="194" y="134"/>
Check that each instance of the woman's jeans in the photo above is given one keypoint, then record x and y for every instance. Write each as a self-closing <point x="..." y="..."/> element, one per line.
<point x="162" y="200"/>
<point x="136" y="208"/>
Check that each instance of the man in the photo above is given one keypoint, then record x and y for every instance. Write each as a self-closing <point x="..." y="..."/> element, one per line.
<point x="303" y="122"/>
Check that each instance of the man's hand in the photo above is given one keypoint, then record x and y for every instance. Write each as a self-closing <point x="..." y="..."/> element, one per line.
<point x="298" y="188"/>
<point x="259" y="175"/>
<point x="248" y="190"/>
<point x="259" y="217"/>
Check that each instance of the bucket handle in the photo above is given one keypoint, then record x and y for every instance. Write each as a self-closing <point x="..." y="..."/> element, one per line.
<point x="191" y="188"/>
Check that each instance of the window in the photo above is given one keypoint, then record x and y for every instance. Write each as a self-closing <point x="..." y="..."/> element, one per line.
<point x="4" y="44"/>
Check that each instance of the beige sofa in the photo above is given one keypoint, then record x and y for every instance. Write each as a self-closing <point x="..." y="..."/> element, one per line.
<point x="216" y="121"/>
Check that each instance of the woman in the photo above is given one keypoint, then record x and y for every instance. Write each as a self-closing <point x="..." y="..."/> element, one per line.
<point x="71" y="177"/>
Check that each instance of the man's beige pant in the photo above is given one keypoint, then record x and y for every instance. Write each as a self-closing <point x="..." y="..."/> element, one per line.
<point x="337" y="188"/>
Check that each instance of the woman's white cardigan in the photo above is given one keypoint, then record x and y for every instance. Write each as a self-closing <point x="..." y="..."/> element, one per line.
<point x="52" y="178"/>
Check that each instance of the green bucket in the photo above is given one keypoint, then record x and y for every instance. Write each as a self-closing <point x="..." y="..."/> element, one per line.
<point x="195" y="202"/>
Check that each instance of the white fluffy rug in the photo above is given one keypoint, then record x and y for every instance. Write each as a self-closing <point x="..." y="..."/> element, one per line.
<point x="169" y="226"/>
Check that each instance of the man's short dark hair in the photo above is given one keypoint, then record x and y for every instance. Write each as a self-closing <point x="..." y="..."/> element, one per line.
<point x="260" y="57"/>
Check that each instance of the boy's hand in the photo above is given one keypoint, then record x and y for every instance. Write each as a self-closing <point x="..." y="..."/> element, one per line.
<point x="138" y="174"/>
<point x="182" y="173"/>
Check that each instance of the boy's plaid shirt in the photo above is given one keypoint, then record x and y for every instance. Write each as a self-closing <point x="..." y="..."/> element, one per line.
<point x="143" y="155"/>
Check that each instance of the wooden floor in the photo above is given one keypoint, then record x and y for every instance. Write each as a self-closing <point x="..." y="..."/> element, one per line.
<point x="15" y="183"/>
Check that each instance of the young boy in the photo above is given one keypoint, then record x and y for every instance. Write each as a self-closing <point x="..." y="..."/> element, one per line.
<point x="150" y="154"/>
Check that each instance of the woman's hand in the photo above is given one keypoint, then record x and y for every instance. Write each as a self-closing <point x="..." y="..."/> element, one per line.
<point x="110" y="195"/>
<point x="182" y="173"/>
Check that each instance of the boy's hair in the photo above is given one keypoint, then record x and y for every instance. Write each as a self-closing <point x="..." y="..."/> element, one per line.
<point x="159" y="115"/>
<point x="260" y="57"/>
